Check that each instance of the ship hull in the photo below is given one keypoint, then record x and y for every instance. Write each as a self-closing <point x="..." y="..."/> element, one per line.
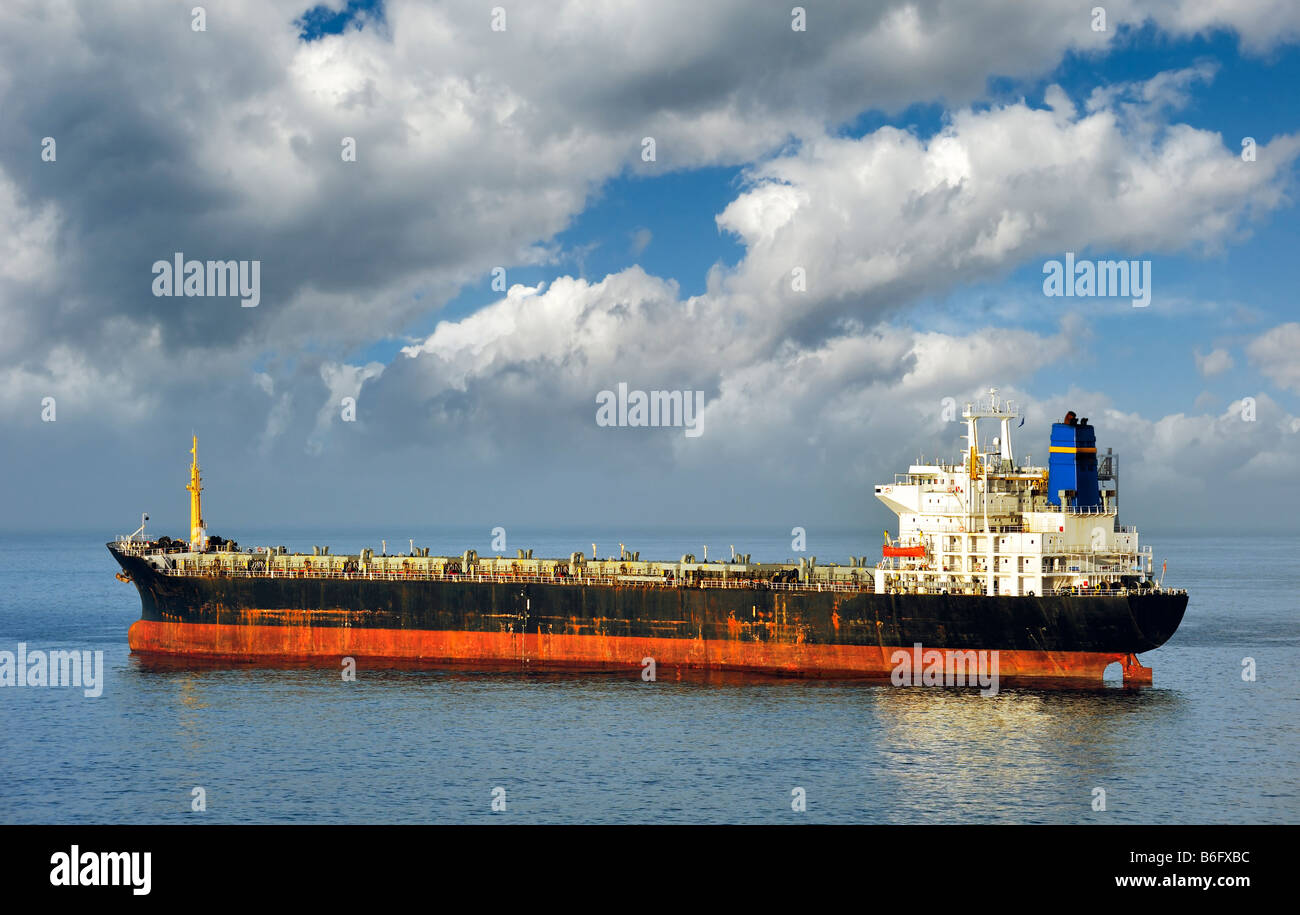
<point x="772" y="631"/>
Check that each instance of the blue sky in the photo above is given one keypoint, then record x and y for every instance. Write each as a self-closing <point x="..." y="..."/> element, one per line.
<point x="321" y="20"/>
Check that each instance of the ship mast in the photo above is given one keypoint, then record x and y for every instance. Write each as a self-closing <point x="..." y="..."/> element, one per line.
<point x="196" y="506"/>
<point x="977" y="466"/>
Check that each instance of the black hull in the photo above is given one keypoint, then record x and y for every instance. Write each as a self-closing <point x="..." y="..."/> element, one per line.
<point x="1115" y="624"/>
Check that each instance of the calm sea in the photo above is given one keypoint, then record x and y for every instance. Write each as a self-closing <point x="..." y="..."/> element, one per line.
<point x="407" y="746"/>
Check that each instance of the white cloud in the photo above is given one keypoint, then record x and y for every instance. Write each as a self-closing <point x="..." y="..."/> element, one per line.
<point x="1276" y="353"/>
<point x="1261" y="24"/>
<point x="474" y="147"/>
<point x="1184" y="456"/>
<point x="641" y="239"/>
<point x="341" y="381"/>
<point x="1215" y="362"/>
<point x="890" y="217"/>
<point x="1144" y="99"/>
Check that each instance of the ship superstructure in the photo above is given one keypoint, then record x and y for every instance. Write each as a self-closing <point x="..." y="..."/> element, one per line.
<point x="990" y="525"/>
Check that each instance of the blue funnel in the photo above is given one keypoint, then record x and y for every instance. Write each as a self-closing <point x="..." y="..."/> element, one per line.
<point x="1073" y="465"/>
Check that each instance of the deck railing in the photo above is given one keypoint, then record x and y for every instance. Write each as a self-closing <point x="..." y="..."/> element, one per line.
<point x="516" y="578"/>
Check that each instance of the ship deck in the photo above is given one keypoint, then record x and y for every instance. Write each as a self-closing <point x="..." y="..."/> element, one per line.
<point x="618" y="581"/>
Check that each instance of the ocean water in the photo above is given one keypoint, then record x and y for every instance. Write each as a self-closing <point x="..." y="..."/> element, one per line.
<point x="298" y="744"/>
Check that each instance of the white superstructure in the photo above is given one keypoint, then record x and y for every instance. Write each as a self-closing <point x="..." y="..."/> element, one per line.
<point x="984" y="525"/>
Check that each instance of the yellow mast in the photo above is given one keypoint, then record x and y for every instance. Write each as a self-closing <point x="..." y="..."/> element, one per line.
<point x="196" y="507"/>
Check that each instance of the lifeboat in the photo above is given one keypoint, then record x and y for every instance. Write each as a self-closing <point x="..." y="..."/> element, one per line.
<point x="903" y="552"/>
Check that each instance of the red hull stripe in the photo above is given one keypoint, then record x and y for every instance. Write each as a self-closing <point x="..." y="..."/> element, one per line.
<point x="266" y="643"/>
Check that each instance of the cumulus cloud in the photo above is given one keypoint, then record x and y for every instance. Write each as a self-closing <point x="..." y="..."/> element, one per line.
<point x="1192" y="456"/>
<point x="876" y="222"/>
<point x="1143" y="99"/>
<point x="797" y="380"/>
<point x="1261" y="24"/>
<point x="1215" y="362"/>
<point x="891" y="217"/>
<point x="1276" y="353"/>
<point x="474" y="147"/>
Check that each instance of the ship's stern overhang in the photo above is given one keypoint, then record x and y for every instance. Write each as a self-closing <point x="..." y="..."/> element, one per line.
<point x="1157" y="614"/>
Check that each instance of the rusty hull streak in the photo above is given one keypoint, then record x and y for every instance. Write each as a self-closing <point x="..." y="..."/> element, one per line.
<point x="805" y="659"/>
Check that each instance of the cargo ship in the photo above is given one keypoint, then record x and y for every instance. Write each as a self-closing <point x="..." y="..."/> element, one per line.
<point x="992" y="555"/>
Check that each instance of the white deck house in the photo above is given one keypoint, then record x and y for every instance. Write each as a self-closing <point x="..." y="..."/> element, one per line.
<point x="956" y="522"/>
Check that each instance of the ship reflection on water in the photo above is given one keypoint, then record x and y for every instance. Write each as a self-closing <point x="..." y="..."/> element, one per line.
<point x="574" y="746"/>
<point x="162" y="664"/>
